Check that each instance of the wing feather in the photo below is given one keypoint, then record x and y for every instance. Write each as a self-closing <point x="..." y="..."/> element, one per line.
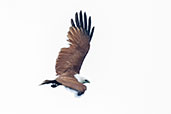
<point x="71" y="83"/>
<point x="71" y="58"/>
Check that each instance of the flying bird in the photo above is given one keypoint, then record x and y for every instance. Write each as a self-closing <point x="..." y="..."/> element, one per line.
<point x="70" y="60"/>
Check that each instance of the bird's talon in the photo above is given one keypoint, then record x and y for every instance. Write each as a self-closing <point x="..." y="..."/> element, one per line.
<point x="53" y="85"/>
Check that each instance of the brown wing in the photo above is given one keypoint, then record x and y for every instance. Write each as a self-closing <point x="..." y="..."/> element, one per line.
<point x="71" y="82"/>
<point x="70" y="59"/>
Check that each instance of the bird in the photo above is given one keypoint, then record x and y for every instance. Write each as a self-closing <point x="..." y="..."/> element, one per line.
<point x="70" y="60"/>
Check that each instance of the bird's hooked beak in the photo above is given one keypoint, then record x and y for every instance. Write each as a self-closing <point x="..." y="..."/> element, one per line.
<point x="86" y="81"/>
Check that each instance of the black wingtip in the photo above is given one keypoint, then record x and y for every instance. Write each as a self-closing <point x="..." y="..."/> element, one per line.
<point x="91" y="34"/>
<point x="89" y="25"/>
<point x="72" y="23"/>
<point x="80" y="94"/>
<point x="82" y="22"/>
<point x="85" y="21"/>
<point x="77" y="20"/>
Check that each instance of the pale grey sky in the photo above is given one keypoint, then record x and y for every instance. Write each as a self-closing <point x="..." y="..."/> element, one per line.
<point x="128" y="65"/>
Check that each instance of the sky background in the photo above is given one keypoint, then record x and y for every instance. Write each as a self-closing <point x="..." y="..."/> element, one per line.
<point x="128" y="65"/>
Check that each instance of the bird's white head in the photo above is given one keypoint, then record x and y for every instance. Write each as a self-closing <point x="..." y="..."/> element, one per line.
<point x="81" y="79"/>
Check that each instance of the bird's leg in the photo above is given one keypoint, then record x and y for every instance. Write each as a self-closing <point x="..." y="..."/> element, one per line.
<point x="54" y="85"/>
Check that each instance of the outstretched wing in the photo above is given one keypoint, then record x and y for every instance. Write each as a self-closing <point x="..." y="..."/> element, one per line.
<point x="70" y="59"/>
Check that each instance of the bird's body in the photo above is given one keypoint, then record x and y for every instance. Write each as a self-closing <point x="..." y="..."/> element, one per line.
<point x="70" y="59"/>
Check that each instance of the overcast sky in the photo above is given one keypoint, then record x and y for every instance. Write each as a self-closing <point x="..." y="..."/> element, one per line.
<point x="128" y="65"/>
